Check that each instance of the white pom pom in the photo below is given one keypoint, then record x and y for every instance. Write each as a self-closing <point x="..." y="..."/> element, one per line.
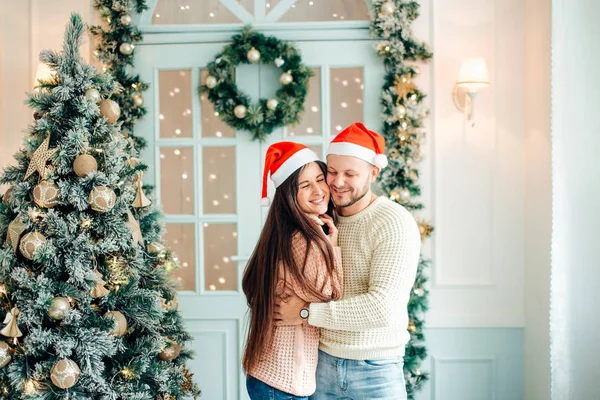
<point x="380" y="161"/>
<point x="265" y="202"/>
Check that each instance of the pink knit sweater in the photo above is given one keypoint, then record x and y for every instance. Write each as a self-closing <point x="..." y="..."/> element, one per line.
<point x="290" y="363"/>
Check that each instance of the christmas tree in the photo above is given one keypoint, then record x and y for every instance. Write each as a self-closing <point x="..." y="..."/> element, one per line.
<point x="90" y="309"/>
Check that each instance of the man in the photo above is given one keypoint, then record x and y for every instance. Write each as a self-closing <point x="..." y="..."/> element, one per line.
<point x="363" y="335"/>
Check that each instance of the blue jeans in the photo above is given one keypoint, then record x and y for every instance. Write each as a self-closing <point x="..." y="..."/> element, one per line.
<point x="258" y="390"/>
<point x="339" y="378"/>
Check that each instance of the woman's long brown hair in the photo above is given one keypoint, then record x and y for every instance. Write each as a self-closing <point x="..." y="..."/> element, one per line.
<point x="274" y="247"/>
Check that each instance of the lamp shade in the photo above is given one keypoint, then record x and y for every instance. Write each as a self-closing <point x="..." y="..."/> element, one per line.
<point x="473" y="74"/>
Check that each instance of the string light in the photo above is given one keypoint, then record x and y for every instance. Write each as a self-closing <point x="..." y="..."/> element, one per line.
<point x="30" y="387"/>
<point x="2" y="289"/>
<point x="86" y="223"/>
<point x="127" y="373"/>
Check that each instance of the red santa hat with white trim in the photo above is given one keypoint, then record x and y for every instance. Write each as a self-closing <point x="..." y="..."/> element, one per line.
<point x="357" y="141"/>
<point x="281" y="161"/>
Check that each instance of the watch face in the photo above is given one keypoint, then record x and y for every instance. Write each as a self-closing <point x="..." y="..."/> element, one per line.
<point x="304" y="313"/>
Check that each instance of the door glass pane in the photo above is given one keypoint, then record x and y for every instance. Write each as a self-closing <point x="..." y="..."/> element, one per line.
<point x="220" y="244"/>
<point x="310" y="122"/>
<point x="185" y="12"/>
<point x="346" y="85"/>
<point x="218" y="173"/>
<point x="318" y="151"/>
<point x="211" y="125"/>
<point x="325" y="10"/>
<point x="177" y="180"/>
<point x="175" y="107"/>
<point x="181" y="240"/>
<point x="248" y="5"/>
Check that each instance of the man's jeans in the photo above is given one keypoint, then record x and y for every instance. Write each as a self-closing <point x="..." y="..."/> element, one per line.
<point x="339" y="378"/>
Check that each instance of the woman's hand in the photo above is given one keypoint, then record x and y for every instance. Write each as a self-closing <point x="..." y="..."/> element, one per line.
<point x="332" y="236"/>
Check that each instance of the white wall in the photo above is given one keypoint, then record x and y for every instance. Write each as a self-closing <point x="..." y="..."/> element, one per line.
<point x="26" y="28"/>
<point x="575" y="326"/>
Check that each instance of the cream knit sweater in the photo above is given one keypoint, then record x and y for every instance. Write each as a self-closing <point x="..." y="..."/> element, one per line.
<point x="380" y="253"/>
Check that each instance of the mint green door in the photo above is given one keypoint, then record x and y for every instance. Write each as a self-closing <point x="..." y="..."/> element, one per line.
<point x="208" y="177"/>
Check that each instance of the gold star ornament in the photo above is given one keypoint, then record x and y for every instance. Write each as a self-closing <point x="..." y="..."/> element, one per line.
<point x="39" y="159"/>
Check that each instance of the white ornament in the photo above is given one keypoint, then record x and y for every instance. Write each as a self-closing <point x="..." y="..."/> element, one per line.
<point x="92" y="95"/>
<point x="210" y="81"/>
<point x="126" y="48"/>
<point x="138" y="100"/>
<point x="388" y="8"/>
<point x="279" y="62"/>
<point x="404" y="195"/>
<point x="218" y="60"/>
<point x="253" y="56"/>
<point x="59" y="308"/>
<point x="286" y="78"/>
<point x="126" y="19"/>
<point x="399" y="111"/>
<point x="240" y="111"/>
<point x="272" y="104"/>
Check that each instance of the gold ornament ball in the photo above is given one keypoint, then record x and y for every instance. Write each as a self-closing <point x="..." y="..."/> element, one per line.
<point x="155" y="247"/>
<point x="126" y="48"/>
<point x="30" y="243"/>
<point x="92" y="95"/>
<point x="399" y="111"/>
<point x="45" y="194"/>
<point x="5" y="354"/>
<point x="253" y="56"/>
<point x="84" y="165"/>
<point x="138" y="100"/>
<point x="240" y="111"/>
<point x="65" y="373"/>
<point x="110" y="110"/>
<point x="120" y="322"/>
<point x="210" y="81"/>
<point x="286" y="78"/>
<point x="7" y="195"/>
<point x="272" y="104"/>
<point x="170" y="352"/>
<point x="59" y="308"/>
<point x="126" y="19"/>
<point x="102" y="199"/>
<point x="388" y="8"/>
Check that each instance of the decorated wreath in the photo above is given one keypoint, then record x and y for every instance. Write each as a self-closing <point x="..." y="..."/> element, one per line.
<point x="235" y="107"/>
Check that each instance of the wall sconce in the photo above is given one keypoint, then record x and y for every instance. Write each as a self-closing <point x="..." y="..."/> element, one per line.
<point x="473" y="76"/>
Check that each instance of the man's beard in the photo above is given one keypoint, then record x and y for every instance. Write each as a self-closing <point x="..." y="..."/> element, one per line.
<point x="356" y="199"/>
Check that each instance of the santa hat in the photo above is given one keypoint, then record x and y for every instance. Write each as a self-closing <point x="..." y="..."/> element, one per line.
<point x="282" y="159"/>
<point x="357" y="141"/>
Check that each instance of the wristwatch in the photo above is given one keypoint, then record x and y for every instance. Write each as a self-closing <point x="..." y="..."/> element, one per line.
<point x="304" y="313"/>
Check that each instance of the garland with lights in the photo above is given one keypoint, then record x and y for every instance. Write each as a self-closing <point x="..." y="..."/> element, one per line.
<point x="235" y="108"/>
<point x="115" y="49"/>
<point x="403" y="116"/>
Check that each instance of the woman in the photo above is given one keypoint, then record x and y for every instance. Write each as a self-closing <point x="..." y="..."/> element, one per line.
<point x="294" y="251"/>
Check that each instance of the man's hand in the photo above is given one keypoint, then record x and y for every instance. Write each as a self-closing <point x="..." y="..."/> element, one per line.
<point x="287" y="308"/>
